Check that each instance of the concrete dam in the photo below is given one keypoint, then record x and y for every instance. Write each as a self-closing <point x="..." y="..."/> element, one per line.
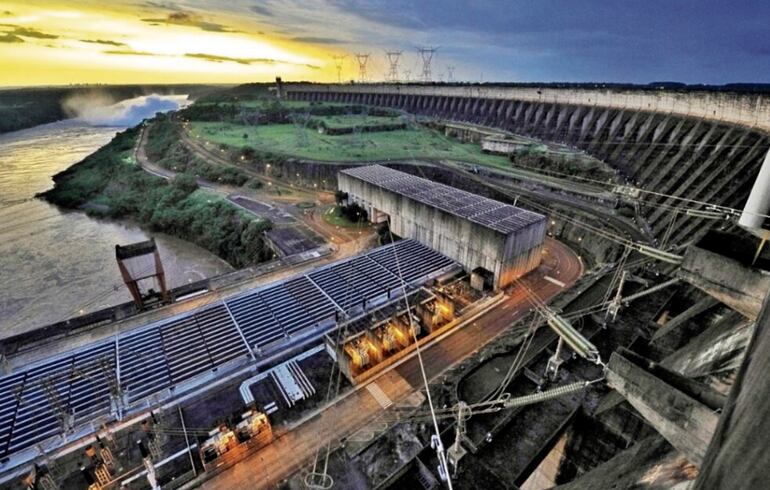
<point x="696" y="145"/>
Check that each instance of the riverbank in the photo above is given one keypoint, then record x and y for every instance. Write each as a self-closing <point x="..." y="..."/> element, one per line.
<point x="109" y="184"/>
<point x="57" y="263"/>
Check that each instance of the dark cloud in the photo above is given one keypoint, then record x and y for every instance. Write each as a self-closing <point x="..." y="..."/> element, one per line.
<point x="103" y="41"/>
<point x="243" y="61"/>
<point x="693" y="41"/>
<point x="131" y="52"/>
<point x="10" y="38"/>
<point x="262" y="10"/>
<point x="7" y="13"/>
<point x="213" y="58"/>
<point x="220" y="59"/>
<point x="27" y="32"/>
<point x="189" y="19"/>
<point x="317" y="40"/>
<point x="162" y="5"/>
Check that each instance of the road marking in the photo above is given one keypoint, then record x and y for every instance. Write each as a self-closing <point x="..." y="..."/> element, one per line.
<point x="555" y="281"/>
<point x="379" y="395"/>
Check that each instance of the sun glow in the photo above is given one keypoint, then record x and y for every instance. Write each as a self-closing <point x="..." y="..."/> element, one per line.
<point x="48" y="43"/>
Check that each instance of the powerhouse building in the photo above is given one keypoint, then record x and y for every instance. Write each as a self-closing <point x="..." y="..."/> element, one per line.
<point x="489" y="238"/>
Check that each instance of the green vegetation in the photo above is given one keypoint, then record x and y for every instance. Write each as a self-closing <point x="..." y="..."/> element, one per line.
<point x="351" y="216"/>
<point x="283" y="139"/>
<point x="262" y="129"/>
<point x="108" y="184"/>
<point x="541" y="159"/>
<point x="272" y="111"/>
<point x="352" y="121"/>
<point x="165" y="148"/>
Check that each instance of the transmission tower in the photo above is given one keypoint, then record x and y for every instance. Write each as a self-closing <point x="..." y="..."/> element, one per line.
<point x="363" y="59"/>
<point x="338" y="62"/>
<point x="393" y="57"/>
<point x="450" y="74"/>
<point x="427" y="57"/>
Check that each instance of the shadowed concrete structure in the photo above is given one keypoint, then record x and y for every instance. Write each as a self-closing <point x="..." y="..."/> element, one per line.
<point x="477" y="232"/>
<point x="738" y="451"/>
<point x="706" y="146"/>
<point x="683" y="411"/>
<point x="740" y="287"/>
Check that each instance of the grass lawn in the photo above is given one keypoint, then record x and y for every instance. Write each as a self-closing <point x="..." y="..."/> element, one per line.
<point x="355" y="120"/>
<point x="334" y="217"/>
<point x="403" y="144"/>
<point x="290" y="104"/>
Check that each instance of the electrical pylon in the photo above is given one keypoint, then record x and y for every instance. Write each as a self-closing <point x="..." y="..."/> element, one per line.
<point x="427" y="57"/>
<point x="393" y="57"/>
<point x="363" y="59"/>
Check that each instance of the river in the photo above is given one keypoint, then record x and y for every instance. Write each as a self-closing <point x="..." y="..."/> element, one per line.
<point x="55" y="264"/>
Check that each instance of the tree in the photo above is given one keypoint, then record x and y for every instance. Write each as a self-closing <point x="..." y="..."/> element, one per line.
<point x="185" y="182"/>
<point x="354" y="212"/>
<point x="340" y="196"/>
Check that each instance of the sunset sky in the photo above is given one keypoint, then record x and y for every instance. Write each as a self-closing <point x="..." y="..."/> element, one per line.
<point x="236" y="41"/>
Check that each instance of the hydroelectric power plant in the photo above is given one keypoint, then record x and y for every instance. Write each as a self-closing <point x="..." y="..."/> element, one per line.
<point x="446" y="285"/>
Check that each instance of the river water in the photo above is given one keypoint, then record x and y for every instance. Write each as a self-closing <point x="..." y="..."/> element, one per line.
<point x="55" y="264"/>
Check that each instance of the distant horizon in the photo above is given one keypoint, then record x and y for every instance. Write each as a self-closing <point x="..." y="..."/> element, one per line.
<point x="650" y="85"/>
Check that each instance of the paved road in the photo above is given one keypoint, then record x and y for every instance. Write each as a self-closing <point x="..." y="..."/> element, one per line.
<point x="297" y="448"/>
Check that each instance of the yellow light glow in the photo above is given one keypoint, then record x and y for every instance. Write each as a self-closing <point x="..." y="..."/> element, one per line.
<point x="54" y="43"/>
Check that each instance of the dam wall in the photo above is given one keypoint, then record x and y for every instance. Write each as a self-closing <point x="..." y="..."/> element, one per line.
<point x="703" y="146"/>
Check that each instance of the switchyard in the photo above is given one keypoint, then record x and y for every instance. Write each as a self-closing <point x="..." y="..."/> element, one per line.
<point x="62" y="400"/>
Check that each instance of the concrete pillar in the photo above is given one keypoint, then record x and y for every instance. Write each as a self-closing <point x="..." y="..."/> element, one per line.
<point x="600" y="129"/>
<point x="739" y="287"/>
<point x="564" y="115"/>
<point x="744" y="170"/>
<point x="702" y="147"/>
<point x="676" y="323"/>
<point x="681" y="410"/>
<point x="586" y="124"/>
<point x="537" y="120"/>
<point x="644" y="151"/>
<point x="548" y="122"/>
<point x="572" y="131"/>
<point x="617" y="124"/>
<point x="665" y="152"/>
<point x="738" y="455"/>
<point x="714" y="148"/>
<point x="636" y="139"/>
<point x="718" y="349"/>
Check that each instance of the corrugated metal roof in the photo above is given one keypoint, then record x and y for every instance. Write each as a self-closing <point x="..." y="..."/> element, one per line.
<point x="481" y="210"/>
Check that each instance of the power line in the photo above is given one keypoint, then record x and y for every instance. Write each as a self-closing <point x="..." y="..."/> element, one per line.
<point x="436" y="438"/>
